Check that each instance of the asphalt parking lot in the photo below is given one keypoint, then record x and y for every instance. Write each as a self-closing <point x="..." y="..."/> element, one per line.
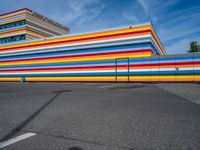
<point x="96" y="116"/>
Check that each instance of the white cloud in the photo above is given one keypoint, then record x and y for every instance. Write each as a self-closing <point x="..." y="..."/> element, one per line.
<point x="145" y="5"/>
<point x="177" y="31"/>
<point x="130" y="17"/>
<point x="173" y="24"/>
<point x="181" y="46"/>
<point x="78" y="15"/>
<point x="180" y="26"/>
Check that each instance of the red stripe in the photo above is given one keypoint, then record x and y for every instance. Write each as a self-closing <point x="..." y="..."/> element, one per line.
<point x="159" y="44"/>
<point x="67" y="68"/>
<point x="42" y="28"/>
<point x="164" y="64"/>
<point x="15" y="11"/>
<point x="91" y="67"/>
<point x="78" y="40"/>
<point x="80" y="55"/>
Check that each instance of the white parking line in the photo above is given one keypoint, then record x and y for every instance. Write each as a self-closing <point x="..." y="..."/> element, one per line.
<point x="111" y="85"/>
<point x="16" y="139"/>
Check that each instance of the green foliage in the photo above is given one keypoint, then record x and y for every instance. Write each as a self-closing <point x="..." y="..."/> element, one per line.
<point x="194" y="47"/>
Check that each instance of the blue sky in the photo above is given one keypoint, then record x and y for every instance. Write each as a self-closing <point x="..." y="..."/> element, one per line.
<point x="177" y="22"/>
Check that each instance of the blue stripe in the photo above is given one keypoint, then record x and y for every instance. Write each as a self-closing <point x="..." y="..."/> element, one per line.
<point x="180" y="72"/>
<point x="91" y="63"/>
<point x="102" y="62"/>
<point x="162" y="58"/>
<point x="70" y="48"/>
<point x="62" y="74"/>
<point x="189" y="72"/>
<point x="44" y="23"/>
<point x="79" y="51"/>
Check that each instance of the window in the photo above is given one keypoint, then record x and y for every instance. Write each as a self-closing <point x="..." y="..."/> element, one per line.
<point x="13" y="24"/>
<point x="12" y="39"/>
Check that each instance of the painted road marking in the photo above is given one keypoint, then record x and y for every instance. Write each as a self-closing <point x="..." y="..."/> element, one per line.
<point x="16" y="139"/>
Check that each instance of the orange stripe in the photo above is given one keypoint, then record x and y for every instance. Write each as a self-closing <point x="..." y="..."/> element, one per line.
<point x="18" y="14"/>
<point x="14" y="30"/>
<point x="62" y="39"/>
<point x="84" y="40"/>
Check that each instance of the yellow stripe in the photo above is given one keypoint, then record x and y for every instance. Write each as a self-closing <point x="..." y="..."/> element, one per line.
<point x="77" y="37"/>
<point x="165" y="78"/>
<point x="16" y="14"/>
<point x="27" y="28"/>
<point x="24" y="30"/>
<point x="31" y="36"/>
<point x="10" y="79"/>
<point x="108" y="78"/>
<point x="28" y="13"/>
<point x="13" y="30"/>
<point x="172" y="76"/>
<point x="111" y="78"/>
<point x="35" y="32"/>
<point x="12" y="20"/>
<point x="75" y="59"/>
<point x="159" y="43"/>
<point x="98" y="33"/>
<point x="13" y="34"/>
<point x="50" y="28"/>
<point x="92" y="78"/>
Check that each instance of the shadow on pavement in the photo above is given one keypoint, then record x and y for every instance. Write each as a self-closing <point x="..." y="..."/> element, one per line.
<point x="75" y="148"/>
<point x="29" y="119"/>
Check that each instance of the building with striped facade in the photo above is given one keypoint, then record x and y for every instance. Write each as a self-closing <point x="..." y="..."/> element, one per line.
<point x="127" y="54"/>
<point x="25" y="24"/>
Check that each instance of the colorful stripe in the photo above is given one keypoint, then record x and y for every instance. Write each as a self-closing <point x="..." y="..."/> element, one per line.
<point x="123" y="55"/>
<point x="35" y="24"/>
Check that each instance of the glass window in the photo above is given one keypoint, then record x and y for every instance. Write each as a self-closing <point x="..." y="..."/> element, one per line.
<point x="12" y="39"/>
<point x="13" y="24"/>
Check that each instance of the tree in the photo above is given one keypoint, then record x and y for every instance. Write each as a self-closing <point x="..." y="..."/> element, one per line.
<point x="193" y="47"/>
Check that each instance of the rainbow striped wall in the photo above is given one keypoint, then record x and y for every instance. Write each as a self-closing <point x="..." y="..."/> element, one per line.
<point x="184" y="68"/>
<point x="36" y="26"/>
<point x="133" y="54"/>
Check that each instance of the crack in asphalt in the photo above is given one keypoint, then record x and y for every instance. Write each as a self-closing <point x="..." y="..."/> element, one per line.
<point x="79" y="140"/>
<point x="31" y="117"/>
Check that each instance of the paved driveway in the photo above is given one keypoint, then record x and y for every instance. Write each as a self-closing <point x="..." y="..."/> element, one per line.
<point x="97" y="116"/>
